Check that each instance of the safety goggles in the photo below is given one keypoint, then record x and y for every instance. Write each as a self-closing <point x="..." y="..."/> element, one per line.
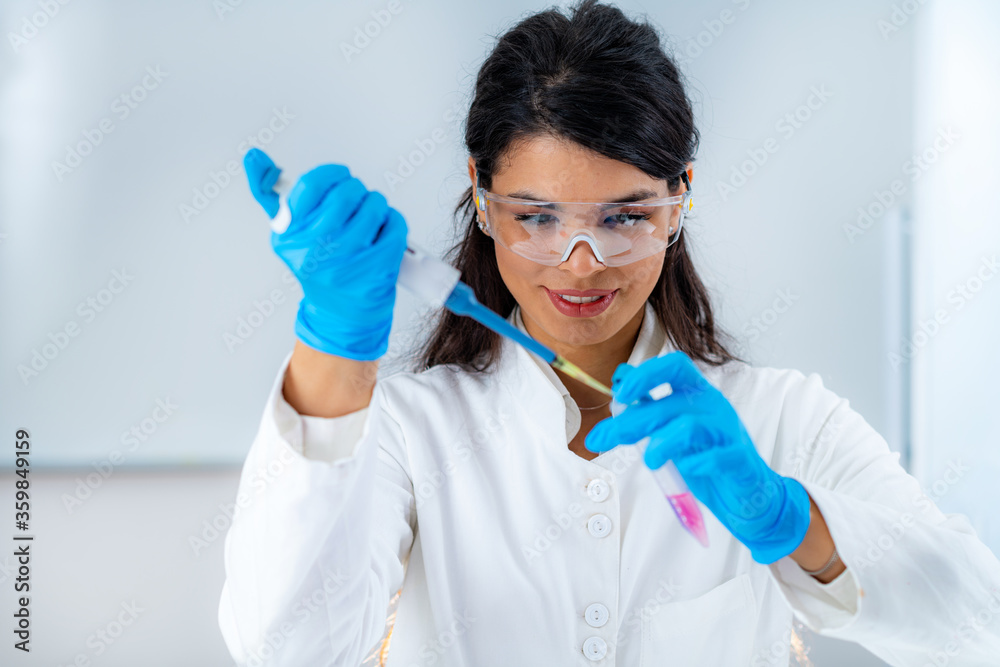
<point x="618" y="232"/>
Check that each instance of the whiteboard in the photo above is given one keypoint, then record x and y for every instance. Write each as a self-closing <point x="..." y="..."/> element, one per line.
<point x="132" y="252"/>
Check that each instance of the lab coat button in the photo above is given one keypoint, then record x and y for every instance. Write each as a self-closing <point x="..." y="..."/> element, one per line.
<point x="598" y="490"/>
<point x="595" y="648"/>
<point x="599" y="525"/>
<point x="596" y="615"/>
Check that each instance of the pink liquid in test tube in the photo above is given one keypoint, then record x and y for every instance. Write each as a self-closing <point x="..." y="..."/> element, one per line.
<point x="684" y="504"/>
<point x="669" y="479"/>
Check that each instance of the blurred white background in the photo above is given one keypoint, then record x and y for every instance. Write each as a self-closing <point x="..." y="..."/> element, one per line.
<point x="136" y="272"/>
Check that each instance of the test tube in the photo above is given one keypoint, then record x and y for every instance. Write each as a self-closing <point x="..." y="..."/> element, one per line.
<point x="669" y="479"/>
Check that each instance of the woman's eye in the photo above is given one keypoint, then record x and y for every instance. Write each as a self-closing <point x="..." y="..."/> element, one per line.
<point x="628" y="219"/>
<point x="534" y="218"/>
<point x="617" y="220"/>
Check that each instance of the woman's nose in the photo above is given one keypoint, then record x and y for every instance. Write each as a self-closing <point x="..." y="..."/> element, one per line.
<point x="582" y="261"/>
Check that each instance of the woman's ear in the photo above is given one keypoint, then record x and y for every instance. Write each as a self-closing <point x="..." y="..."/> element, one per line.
<point x="475" y="197"/>
<point x="472" y="178"/>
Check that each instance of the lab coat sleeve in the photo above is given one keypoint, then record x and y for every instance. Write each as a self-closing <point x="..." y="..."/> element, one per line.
<point x="327" y="439"/>
<point x="319" y="539"/>
<point x="919" y="585"/>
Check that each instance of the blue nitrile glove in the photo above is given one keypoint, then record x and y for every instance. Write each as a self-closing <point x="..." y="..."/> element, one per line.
<point x="344" y="244"/>
<point x="699" y="430"/>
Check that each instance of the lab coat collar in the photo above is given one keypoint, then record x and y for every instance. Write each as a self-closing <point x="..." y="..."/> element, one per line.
<point x="550" y="401"/>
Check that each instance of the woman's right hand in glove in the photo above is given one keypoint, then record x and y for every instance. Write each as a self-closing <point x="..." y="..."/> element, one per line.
<point x="344" y="244"/>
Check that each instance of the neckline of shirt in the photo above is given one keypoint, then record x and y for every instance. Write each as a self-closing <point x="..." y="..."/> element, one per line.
<point x="650" y="342"/>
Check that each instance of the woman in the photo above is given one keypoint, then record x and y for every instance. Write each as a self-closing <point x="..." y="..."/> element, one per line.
<point x="489" y="491"/>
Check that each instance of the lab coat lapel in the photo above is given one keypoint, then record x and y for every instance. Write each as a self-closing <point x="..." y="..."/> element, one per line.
<point x="540" y="400"/>
<point x="521" y="374"/>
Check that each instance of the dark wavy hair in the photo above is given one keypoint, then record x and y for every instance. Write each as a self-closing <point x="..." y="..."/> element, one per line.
<point x="603" y="81"/>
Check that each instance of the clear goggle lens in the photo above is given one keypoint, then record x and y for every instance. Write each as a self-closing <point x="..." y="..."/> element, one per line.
<point x="618" y="233"/>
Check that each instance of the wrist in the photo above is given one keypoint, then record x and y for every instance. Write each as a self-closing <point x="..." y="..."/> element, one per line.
<point x="321" y="385"/>
<point x="789" y="528"/>
<point x="817" y="554"/>
<point x="334" y="335"/>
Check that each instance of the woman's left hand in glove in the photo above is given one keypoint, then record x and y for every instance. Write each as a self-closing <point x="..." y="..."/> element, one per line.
<point x="699" y="430"/>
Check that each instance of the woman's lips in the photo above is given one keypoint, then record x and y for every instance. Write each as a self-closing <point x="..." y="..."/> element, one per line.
<point x="582" y="309"/>
<point x="576" y="292"/>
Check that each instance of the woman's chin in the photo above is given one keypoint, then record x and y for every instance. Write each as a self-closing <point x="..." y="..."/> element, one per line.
<point x="582" y="331"/>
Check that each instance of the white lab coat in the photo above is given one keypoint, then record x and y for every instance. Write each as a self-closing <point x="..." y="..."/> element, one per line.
<point x="461" y="490"/>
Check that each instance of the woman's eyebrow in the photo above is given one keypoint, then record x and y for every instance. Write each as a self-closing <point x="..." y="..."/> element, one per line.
<point x="637" y="195"/>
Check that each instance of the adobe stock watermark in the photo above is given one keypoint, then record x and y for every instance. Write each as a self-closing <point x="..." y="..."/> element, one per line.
<point x="216" y="526"/>
<point x="262" y="311"/>
<point x="130" y="439"/>
<point x="482" y="438"/>
<point x="308" y="604"/>
<point x="786" y="126"/>
<point x="915" y="166"/>
<point x="401" y="341"/>
<point x="959" y="296"/>
<point x="105" y="636"/>
<point x="30" y="24"/>
<point x="899" y="16"/>
<point x="942" y="485"/>
<point x="666" y="591"/>
<point x="778" y="652"/>
<point x="218" y="181"/>
<point x="547" y="536"/>
<point x="622" y="458"/>
<point x="88" y="309"/>
<point x="894" y="531"/>
<point x="767" y="318"/>
<point x="425" y="147"/>
<point x="630" y="626"/>
<point x="365" y="34"/>
<point x="798" y="459"/>
<point x="223" y="7"/>
<point x="6" y="569"/>
<point x="693" y="48"/>
<point x="966" y="630"/>
<point x="322" y="250"/>
<point x="121" y="107"/>
<point x="434" y="649"/>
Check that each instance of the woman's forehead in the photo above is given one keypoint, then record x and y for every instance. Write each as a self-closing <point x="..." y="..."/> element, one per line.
<point x="556" y="169"/>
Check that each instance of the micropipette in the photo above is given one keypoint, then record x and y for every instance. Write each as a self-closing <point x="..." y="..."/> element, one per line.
<point x="437" y="283"/>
